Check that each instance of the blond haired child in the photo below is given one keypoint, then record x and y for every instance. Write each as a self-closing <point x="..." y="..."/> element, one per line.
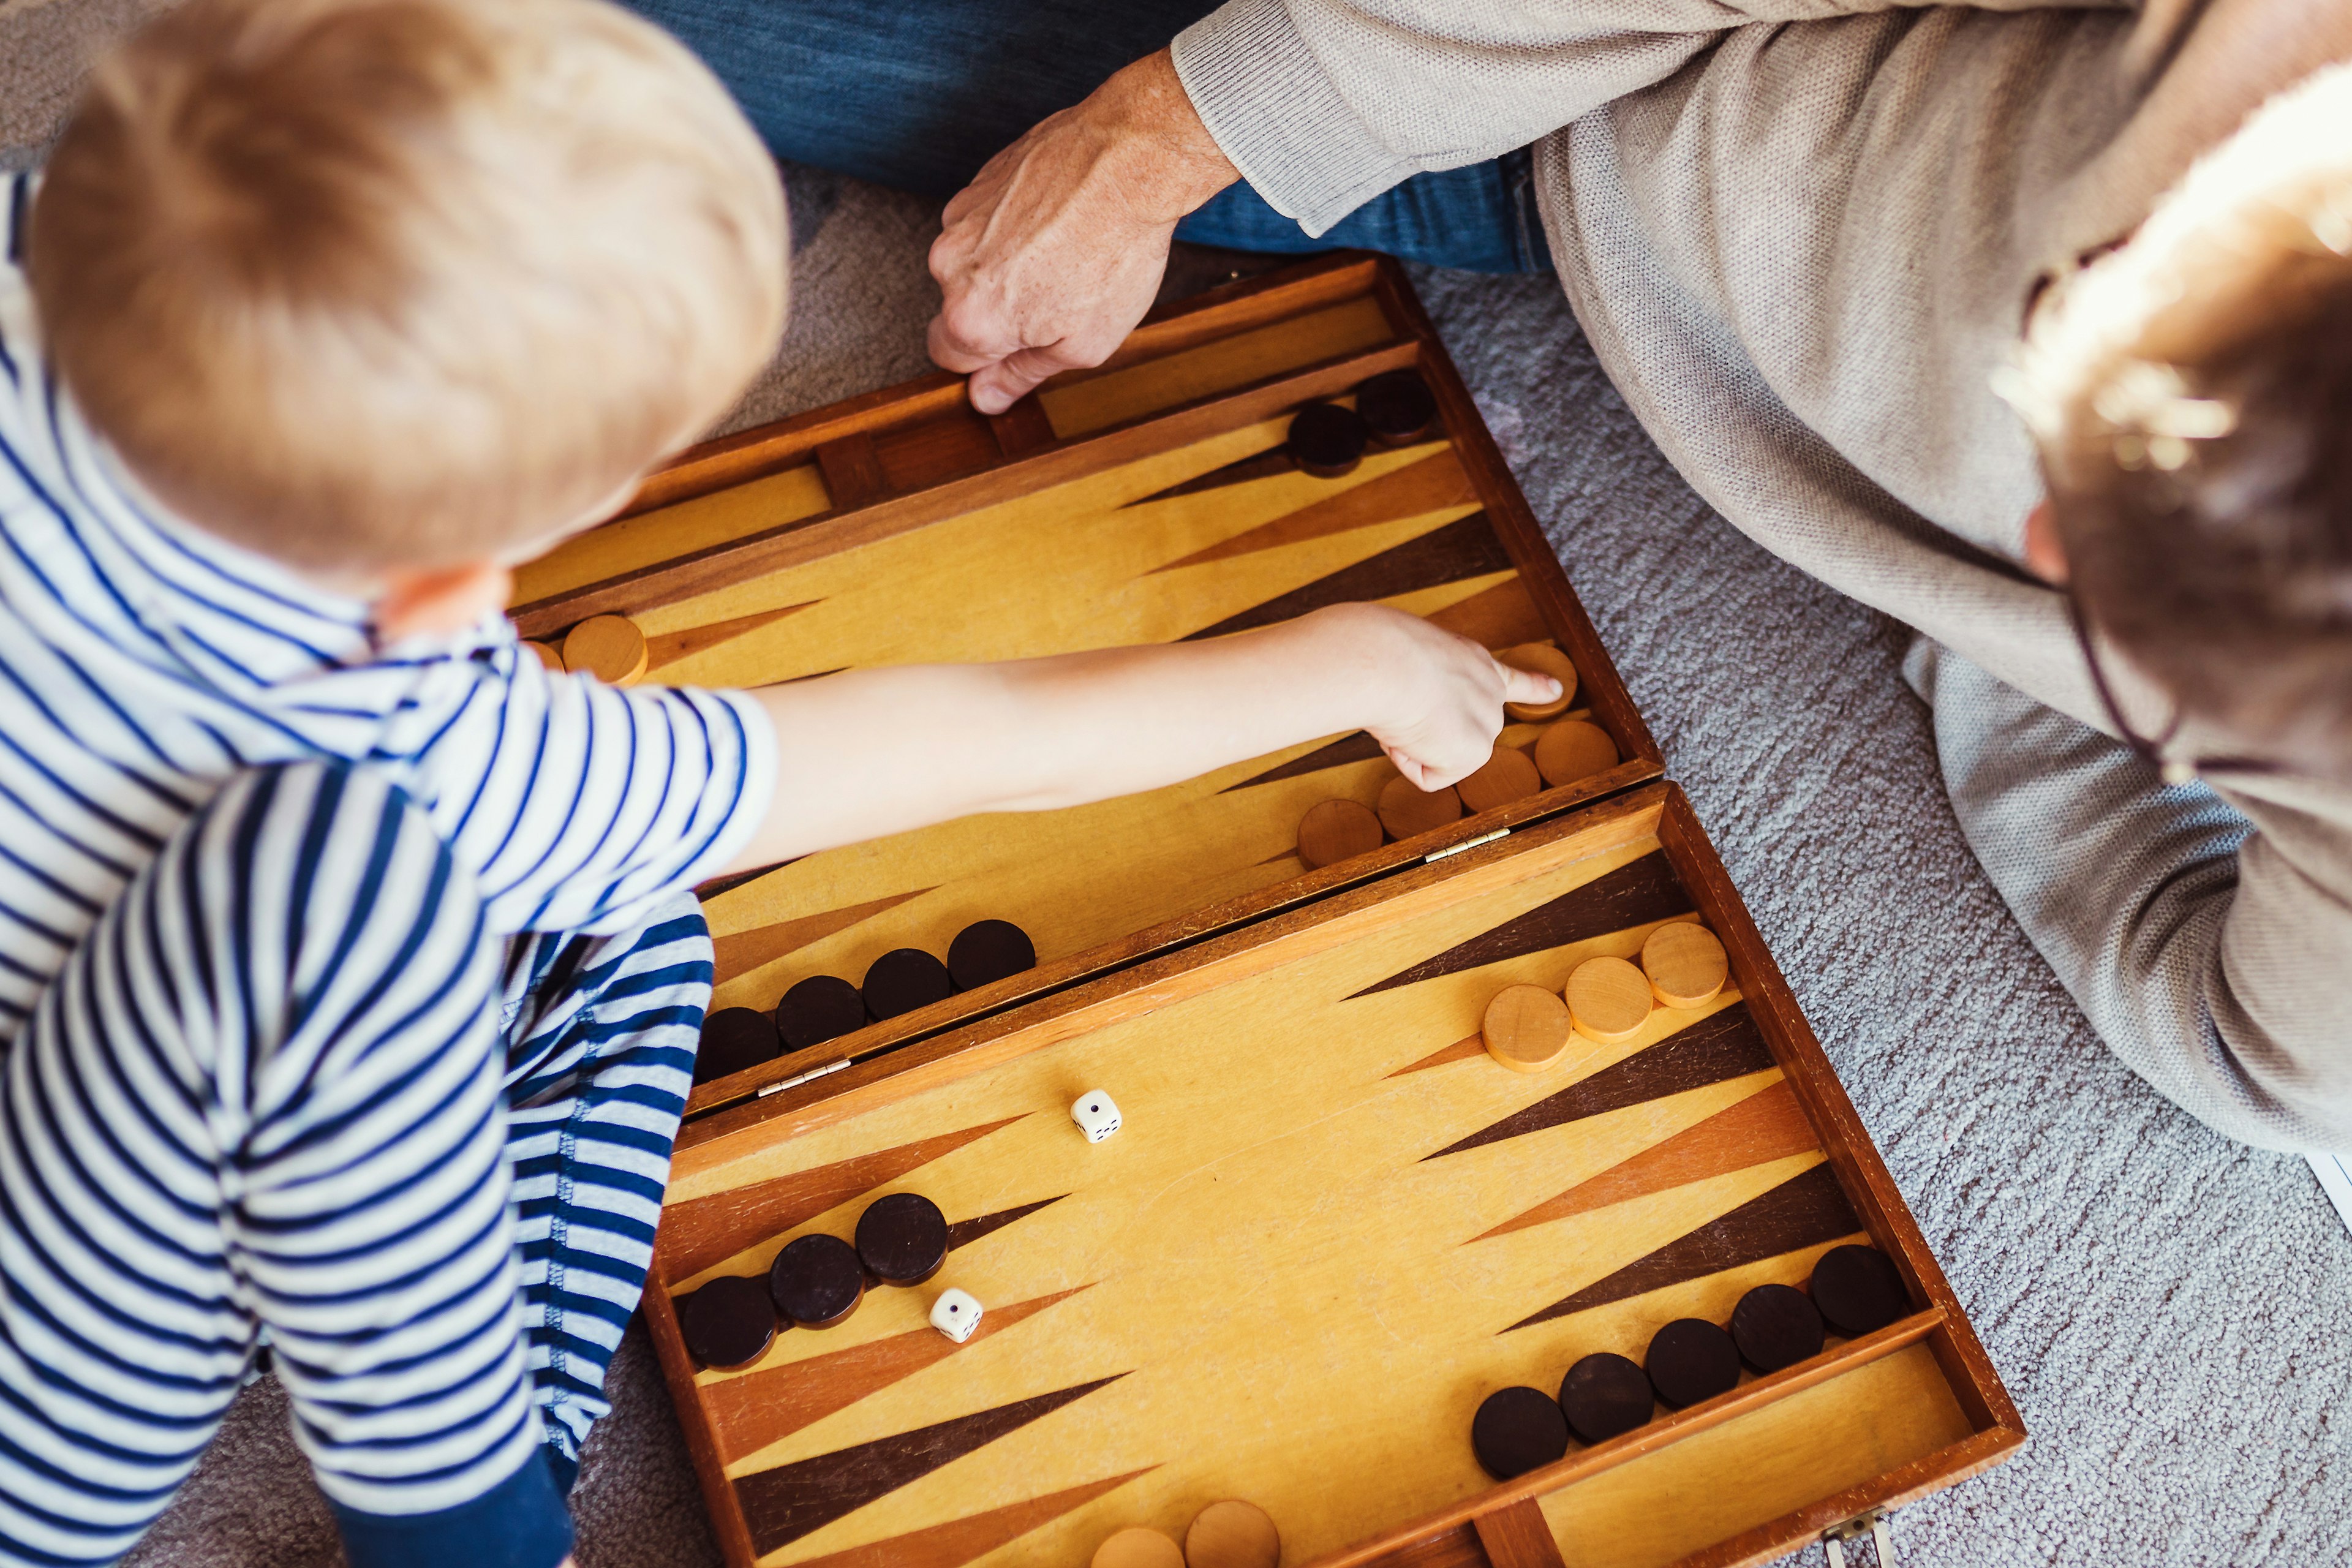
<point x="348" y="973"/>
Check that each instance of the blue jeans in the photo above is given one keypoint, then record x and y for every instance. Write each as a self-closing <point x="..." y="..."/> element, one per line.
<point x="919" y="93"/>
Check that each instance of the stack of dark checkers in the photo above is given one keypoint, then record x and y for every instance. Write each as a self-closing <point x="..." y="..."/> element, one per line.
<point x="1855" y="1289"/>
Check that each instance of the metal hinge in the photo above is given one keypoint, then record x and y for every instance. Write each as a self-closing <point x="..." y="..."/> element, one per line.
<point x="799" y="1079"/>
<point x="1873" y="1525"/>
<point x="1465" y="844"/>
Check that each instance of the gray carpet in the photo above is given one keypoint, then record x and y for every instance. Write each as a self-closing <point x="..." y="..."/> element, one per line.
<point x="2172" y="1313"/>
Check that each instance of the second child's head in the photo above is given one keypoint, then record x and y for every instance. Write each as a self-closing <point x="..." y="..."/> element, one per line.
<point x="2192" y="390"/>
<point x="382" y="288"/>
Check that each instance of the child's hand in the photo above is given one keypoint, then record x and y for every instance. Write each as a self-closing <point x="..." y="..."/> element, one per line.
<point x="1437" y="697"/>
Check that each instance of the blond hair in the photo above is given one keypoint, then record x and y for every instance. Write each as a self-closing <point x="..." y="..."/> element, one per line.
<point x="374" y="283"/>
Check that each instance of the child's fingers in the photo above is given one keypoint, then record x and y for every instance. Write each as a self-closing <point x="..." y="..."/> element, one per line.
<point x="1411" y="767"/>
<point x="1527" y="685"/>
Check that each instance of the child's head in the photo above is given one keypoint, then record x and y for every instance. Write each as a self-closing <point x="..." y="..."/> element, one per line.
<point x="2192" y="391"/>
<point x="373" y="286"/>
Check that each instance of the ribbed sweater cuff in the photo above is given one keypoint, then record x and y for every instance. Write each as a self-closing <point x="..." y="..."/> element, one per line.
<point x="1272" y="107"/>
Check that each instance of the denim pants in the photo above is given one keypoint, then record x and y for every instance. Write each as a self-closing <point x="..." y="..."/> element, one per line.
<point x="920" y="95"/>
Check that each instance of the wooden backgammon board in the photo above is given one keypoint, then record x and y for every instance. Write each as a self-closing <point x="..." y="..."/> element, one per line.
<point x="1330" y="1228"/>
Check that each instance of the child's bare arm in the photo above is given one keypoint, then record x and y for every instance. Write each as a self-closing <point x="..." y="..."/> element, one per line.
<point x="876" y="752"/>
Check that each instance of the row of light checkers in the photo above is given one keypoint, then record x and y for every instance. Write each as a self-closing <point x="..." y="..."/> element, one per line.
<point x="825" y="1006"/>
<point x="1853" y="1291"/>
<point x="1326" y="439"/>
<point x="817" y="1280"/>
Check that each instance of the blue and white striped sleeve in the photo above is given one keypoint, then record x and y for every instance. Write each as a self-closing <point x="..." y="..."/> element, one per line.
<point x="578" y="805"/>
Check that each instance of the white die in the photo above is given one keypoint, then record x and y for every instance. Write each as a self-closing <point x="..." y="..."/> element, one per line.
<point x="1096" y="1117"/>
<point x="955" y="1314"/>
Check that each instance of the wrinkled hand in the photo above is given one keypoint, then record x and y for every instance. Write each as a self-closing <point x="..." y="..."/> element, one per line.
<point x="1440" y="696"/>
<point x="1053" y="253"/>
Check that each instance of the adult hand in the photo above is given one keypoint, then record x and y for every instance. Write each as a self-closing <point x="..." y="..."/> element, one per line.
<point x="1054" y="250"/>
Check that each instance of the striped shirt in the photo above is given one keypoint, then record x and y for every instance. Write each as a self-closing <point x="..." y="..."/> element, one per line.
<point x="143" y="662"/>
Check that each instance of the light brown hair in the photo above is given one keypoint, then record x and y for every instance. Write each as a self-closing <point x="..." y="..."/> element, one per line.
<point x="371" y="283"/>
<point x="2191" y="392"/>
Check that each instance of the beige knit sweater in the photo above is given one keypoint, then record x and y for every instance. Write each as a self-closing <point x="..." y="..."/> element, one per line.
<point x="1801" y="234"/>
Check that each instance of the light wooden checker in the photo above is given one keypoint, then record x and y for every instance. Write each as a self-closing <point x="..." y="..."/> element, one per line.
<point x="1526" y="1028"/>
<point x="1608" y="999"/>
<point x="1352" y="1245"/>
<point x="1232" y="1534"/>
<point x="1686" y="964"/>
<point x="610" y="647"/>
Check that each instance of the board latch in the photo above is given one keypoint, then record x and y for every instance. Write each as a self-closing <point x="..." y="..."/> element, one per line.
<point x="1873" y="1525"/>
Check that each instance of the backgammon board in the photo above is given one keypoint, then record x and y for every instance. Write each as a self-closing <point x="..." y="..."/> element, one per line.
<point x="1329" y="1226"/>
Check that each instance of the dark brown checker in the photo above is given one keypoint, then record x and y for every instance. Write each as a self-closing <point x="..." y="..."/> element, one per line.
<point x="1690" y="1361"/>
<point x="904" y="979"/>
<point x="1604" y="1395"/>
<point x="1858" y="1289"/>
<point x="1397" y="407"/>
<point x="822" y="1007"/>
<point x="1326" y="440"/>
<point x="1517" y="1430"/>
<point x="816" y="1282"/>
<point x="988" y="950"/>
<point x="902" y="1240"/>
<point x="1776" y="1326"/>
<point x="735" y="1039"/>
<point x="729" y="1323"/>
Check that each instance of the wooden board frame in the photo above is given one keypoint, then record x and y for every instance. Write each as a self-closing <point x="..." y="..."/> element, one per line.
<point x="946" y="461"/>
<point x="1471" y="1531"/>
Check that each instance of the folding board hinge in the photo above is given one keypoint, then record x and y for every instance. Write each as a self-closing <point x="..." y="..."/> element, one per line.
<point x="1873" y="1525"/>
<point x="799" y="1079"/>
<point x="1466" y="844"/>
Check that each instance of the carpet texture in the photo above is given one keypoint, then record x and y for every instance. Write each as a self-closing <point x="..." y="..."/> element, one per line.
<point x="2172" y="1313"/>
